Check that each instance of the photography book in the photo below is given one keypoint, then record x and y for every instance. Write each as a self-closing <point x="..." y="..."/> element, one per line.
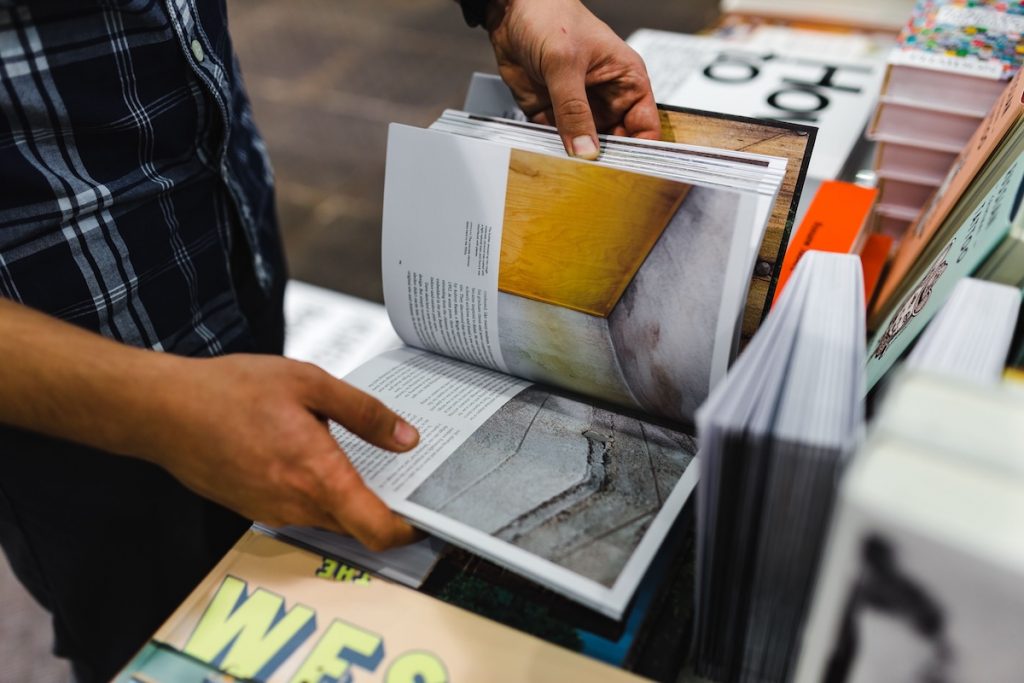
<point x="924" y="562"/>
<point x="271" y="612"/>
<point x="338" y="332"/>
<point x="564" y="320"/>
<point x="773" y="438"/>
<point x="489" y="96"/>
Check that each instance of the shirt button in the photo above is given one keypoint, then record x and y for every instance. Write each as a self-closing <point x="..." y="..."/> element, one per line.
<point x="197" y="50"/>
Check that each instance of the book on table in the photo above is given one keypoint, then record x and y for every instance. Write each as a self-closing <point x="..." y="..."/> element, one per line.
<point x="272" y="612"/>
<point x="564" y="319"/>
<point x="950" y="65"/>
<point x="774" y="436"/>
<point x="982" y="234"/>
<point x="921" y="576"/>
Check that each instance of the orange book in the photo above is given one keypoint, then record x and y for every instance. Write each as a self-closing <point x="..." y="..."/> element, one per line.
<point x="1007" y="109"/>
<point x="872" y="259"/>
<point x="834" y="222"/>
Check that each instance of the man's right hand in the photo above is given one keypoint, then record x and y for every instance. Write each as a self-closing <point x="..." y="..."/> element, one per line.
<point x="250" y="432"/>
<point x="247" y="431"/>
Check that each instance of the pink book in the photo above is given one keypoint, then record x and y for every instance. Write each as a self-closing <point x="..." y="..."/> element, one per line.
<point x="986" y="139"/>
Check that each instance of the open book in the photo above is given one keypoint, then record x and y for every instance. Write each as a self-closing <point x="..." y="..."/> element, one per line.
<point x="563" y="321"/>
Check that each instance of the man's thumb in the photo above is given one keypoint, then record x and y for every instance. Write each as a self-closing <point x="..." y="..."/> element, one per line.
<point x="573" y="118"/>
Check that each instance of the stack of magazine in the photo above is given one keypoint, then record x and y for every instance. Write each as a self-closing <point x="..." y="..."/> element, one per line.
<point x="773" y="438"/>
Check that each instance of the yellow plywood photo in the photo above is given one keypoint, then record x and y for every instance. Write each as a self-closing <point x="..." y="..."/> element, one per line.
<point x="575" y="233"/>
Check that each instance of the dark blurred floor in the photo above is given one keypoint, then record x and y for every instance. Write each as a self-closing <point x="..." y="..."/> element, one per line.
<point x="326" y="77"/>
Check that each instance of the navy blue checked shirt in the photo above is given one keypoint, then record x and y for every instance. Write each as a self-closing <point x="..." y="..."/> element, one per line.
<point x="136" y="200"/>
<point x="129" y="167"/>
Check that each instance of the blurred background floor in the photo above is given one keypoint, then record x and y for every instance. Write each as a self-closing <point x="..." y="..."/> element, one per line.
<point x="325" y="78"/>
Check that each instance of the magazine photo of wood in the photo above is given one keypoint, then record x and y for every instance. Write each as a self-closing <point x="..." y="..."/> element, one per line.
<point x="774" y="138"/>
<point x="646" y="327"/>
<point x="580" y="245"/>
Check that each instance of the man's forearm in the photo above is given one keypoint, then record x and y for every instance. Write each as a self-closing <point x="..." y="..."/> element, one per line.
<point x="60" y="380"/>
<point x="245" y="431"/>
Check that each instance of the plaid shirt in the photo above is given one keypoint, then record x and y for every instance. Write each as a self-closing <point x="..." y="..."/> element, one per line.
<point x="129" y="163"/>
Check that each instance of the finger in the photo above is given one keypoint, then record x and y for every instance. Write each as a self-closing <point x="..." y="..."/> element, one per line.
<point x="545" y="118"/>
<point x="573" y="118"/>
<point x="642" y="119"/>
<point x="302" y="515"/>
<point x="531" y="97"/>
<point x="362" y="414"/>
<point x="358" y="509"/>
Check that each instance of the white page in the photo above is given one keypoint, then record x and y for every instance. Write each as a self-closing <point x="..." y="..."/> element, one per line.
<point x="445" y="399"/>
<point x="335" y="331"/>
<point x="500" y="474"/>
<point x="442" y="235"/>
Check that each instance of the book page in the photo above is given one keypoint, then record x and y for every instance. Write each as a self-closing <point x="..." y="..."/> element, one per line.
<point x="624" y="287"/>
<point x="335" y="331"/>
<point x="573" y="496"/>
<point x="444" y="199"/>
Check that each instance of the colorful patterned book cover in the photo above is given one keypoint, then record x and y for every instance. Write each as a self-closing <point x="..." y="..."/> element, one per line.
<point x="972" y="37"/>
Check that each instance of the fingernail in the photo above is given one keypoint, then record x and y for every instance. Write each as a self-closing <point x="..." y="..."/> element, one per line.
<point x="583" y="146"/>
<point x="405" y="434"/>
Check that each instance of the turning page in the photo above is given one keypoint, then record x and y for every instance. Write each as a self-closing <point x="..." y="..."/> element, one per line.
<point x="622" y="286"/>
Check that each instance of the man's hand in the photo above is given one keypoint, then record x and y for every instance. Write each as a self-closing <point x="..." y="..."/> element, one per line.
<point x="249" y="432"/>
<point x="568" y="69"/>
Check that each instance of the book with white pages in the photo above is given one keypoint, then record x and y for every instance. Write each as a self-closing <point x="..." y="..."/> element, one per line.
<point x="562" y="321"/>
<point x="773" y="438"/>
<point x="921" y="576"/>
<point x="970" y="336"/>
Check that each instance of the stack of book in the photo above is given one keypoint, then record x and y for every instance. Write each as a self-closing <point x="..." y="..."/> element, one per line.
<point x="973" y="227"/>
<point x="925" y="559"/>
<point x="953" y="60"/>
<point x="970" y="337"/>
<point x="773" y="438"/>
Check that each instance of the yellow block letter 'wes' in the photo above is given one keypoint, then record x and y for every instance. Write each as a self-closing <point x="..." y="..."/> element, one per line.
<point x="248" y="636"/>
